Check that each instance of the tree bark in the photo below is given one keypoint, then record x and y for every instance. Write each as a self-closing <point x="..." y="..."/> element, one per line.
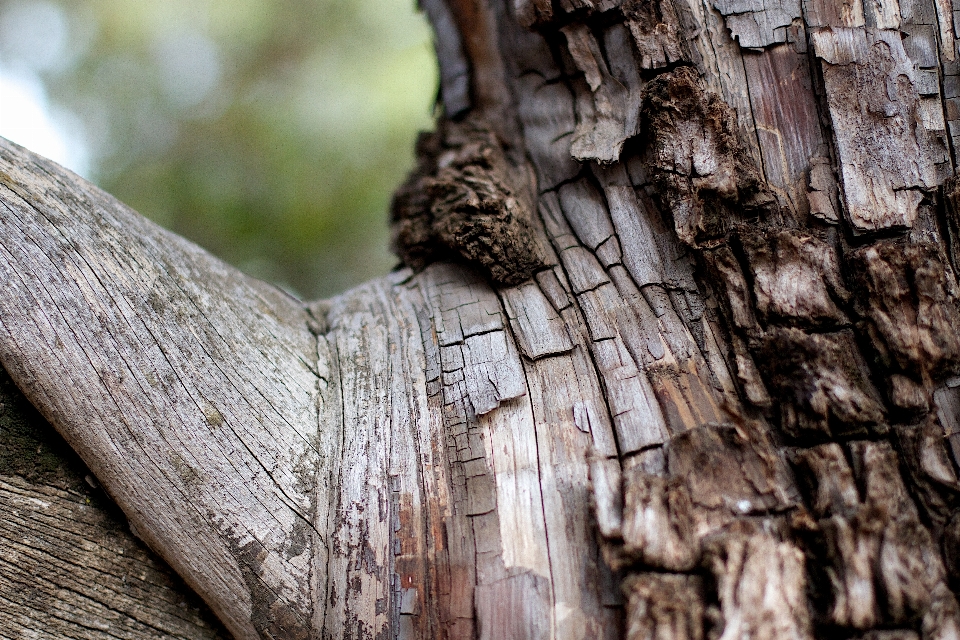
<point x="70" y="566"/>
<point x="675" y="352"/>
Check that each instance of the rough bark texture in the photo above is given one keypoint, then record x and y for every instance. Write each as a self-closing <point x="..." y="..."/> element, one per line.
<point x="675" y="355"/>
<point x="71" y="568"/>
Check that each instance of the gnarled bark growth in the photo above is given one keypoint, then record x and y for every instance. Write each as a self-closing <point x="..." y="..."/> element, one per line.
<point x="675" y="354"/>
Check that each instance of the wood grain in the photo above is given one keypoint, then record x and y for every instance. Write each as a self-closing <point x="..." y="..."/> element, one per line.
<point x="71" y="567"/>
<point x="678" y="316"/>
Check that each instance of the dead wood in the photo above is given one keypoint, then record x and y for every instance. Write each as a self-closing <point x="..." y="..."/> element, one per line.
<point x="675" y="354"/>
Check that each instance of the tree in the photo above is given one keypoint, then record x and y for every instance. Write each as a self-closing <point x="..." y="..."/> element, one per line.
<point x="271" y="133"/>
<point x="679" y="317"/>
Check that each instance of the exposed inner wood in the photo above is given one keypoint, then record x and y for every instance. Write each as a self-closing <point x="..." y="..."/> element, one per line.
<point x="675" y="354"/>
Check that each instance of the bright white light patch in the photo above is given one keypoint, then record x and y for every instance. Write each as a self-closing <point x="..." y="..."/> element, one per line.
<point x="26" y="118"/>
<point x="34" y="34"/>
<point x="189" y="66"/>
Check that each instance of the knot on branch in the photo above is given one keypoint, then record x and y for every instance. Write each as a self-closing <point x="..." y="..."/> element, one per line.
<point x="466" y="199"/>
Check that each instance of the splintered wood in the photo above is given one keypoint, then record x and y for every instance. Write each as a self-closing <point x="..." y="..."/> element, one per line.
<point x="889" y="141"/>
<point x="674" y="355"/>
<point x="759" y="24"/>
<point x="834" y="127"/>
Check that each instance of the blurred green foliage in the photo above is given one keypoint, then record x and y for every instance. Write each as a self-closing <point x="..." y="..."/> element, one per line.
<point x="271" y="132"/>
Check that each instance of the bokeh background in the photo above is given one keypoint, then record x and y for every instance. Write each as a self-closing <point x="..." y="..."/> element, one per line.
<point x="271" y="132"/>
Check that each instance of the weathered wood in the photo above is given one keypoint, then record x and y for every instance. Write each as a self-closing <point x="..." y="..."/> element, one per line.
<point x="664" y="606"/>
<point x="454" y="68"/>
<point x="603" y="123"/>
<point x="114" y="343"/>
<point x="890" y="150"/>
<point x="788" y="127"/>
<point x="71" y="567"/>
<point x="759" y="24"/>
<point x="680" y="314"/>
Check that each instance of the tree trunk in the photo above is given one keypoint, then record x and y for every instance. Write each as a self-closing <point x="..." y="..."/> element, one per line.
<point x="675" y="353"/>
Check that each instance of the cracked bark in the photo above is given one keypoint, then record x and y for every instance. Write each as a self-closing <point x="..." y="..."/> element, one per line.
<point x="674" y="353"/>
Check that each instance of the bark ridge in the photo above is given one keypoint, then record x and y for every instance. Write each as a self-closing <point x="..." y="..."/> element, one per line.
<point x="674" y="355"/>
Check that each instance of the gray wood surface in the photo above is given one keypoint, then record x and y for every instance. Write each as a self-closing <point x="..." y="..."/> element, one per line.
<point x="71" y="568"/>
<point x="675" y="354"/>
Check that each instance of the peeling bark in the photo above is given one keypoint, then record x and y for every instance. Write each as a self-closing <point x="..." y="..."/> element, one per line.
<point x="675" y="353"/>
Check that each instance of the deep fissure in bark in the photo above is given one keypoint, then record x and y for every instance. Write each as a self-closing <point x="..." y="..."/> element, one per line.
<point x="676" y="355"/>
<point x="839" y="330"/>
